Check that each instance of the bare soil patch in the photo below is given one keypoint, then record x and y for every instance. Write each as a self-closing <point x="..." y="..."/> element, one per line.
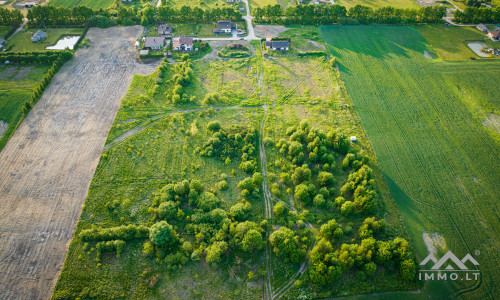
<point x="492" y="122"/>
<point x="47" y="166"/>
<point x="432" y="241"/>
<point x="3" y="127"/>
<point x="266" y="31"/>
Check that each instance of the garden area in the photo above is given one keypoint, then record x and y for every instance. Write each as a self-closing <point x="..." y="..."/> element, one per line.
<point x="235" y="50"/>
<point x="21" y="42"/>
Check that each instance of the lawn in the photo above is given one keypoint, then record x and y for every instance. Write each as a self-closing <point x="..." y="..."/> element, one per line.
<point x="260" y="3"/>
<point x="193" y="29"/>
<point x="198" y="3"/>
<point x="97" y="4"/>
<point x="67" y="3"/>
<point x="304" y="38"/>
<point x="424" y="120"/>
<point x="378" y="3"/>
<point x="155" y="141"/>
<point x="450" y="42"/>
<point x="22" y="40"/>
<point x="16" y="86"/>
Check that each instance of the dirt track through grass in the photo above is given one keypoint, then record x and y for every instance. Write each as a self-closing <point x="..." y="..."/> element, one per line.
<point x="47" y="166"/>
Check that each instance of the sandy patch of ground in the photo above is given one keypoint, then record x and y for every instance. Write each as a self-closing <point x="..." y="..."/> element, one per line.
<point x="266" y="31"/>
<point x="3" y="128"/>
<point x="492" y="122"/>
<point x="47" y="165"/>
<point x="432" y="241"/>
<point x="427" y="55"/>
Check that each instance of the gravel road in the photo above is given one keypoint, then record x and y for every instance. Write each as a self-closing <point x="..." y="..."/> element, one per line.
<point x="47" y="166"/>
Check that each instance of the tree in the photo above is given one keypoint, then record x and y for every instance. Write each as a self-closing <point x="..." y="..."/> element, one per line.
<point x="319" y="201"/>
<point x="215" y="251"/>
<point x="239" y="211"/>
<point x="325" y="178"/>
<point x="167" y="210"/>
<point x="347" y="208"/>
<point x="208" y="201"/>
<point x="279" y="209"/>
<point x="257" y="179"/>
<point x="408" y="269"/>
<point x="327" y="230"/>
<point x="252" y="241"/>
<point x="162" y="234"/>
<point x="214" y="126"/>
<point x="286" y="245"/>
<point x="301" y="174"/>
<point x="370" y="268"/>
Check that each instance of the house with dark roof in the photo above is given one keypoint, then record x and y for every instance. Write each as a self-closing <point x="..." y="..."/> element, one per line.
<point x="482" y="28"/>
<point x="165" y="31"/>
<point x="39" y="36"/>
<point x="277" y="45"/>
<point x="224" y="27"/>
<point x="154" y="43"/>
<point x="183" y="44"/>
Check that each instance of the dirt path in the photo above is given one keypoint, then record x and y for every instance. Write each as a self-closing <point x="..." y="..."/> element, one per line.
<point x="47" y="166"/>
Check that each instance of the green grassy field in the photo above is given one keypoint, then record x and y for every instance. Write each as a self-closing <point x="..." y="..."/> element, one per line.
<point x="260" y="3"/>
<point x="3" y="31"/>
<point x="450" y="42"/>
<point x="378" y="3"/>
<point x="198" y="3"/>
<point x="67" y="3"/>
<point x="424" y="120"/>
<point x="304" y="38"/>
<point x="22" y="40"/>
<point x="97" y="4"/>
<point x="16" y="86"/>
<point x="193" y="29"/>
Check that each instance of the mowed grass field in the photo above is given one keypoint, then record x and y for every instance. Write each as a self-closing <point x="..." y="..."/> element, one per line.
<point x="450" y="42"/>
<point x="424" y="120"/>
<point x="67" y="3"/>
<point x="378" y="3"/>
<point x="16" y="86"/>
<point x="22" y="41"/>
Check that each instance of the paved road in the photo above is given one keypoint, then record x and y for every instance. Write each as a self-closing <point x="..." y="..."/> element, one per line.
<point x="47" y="166"/>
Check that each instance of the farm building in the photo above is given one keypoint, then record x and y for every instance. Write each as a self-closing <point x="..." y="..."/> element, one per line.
<point x="482" y="28"/>
<point x="183" y="44"/>
<point x="154" y="43"/>
<point x="39" y="36"/>
<point x="279" y="45"/>
<point x="494" y="34"/>
<point x="165" y="31"/>
<point x="224" y="27"/>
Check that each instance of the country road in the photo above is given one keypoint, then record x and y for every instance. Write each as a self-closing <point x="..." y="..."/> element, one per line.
<point x="47" y="166"/>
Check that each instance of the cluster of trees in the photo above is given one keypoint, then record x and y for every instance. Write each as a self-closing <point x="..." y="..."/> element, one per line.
<point x="474" y="15"/>
<point x="124" y="232"/>
<point x="360" y="185"/>
<point x="230" y="143"/>
<point x="181" y="78"/>
<point x="116" y="245"/>
<point x="197" y="14"/>
<point x="10" y="17"/>
<point x="287" y="245"/>
<point x="328" y="264"/>
<point x="49" y="15"/>
<point x="359" y="14"/>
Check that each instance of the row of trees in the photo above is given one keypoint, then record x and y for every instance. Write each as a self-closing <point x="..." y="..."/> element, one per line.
<point x="474" y="15"/>
<point x="10" y="17"/>
<point x="359" y="14"/>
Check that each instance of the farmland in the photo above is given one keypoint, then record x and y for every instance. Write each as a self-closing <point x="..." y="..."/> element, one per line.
<point x="424" y="119"/>
<point x="159" y="140"/>
<point x="450" y="43"/>
<point x="21" y="42"/>
<point x="97" y="4"/>
<point x="67" y="3"/>
<point x="198" y="3"/>
<point x="16" y="87"/>
<point x="378" y="3"/>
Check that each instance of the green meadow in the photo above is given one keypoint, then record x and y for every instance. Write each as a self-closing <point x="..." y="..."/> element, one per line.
<point x="424" y="119"/>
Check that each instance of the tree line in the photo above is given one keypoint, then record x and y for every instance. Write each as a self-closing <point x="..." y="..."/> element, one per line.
<point x="359" y="14"/>
<point x="474" y="15"/>
<point x="10" y="17"/>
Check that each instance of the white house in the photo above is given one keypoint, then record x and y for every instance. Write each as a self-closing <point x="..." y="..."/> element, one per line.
<point x="183" y="44"/>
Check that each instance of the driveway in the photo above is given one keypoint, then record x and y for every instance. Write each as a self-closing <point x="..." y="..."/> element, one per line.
<point x="47" y="165"/>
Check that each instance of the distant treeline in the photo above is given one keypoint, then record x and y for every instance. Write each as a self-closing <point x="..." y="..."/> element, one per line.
<point x="12" y="18"/>
<point x="475" y="15"/>
<point x="359" y="14"/>
<point x="49" y="15"/>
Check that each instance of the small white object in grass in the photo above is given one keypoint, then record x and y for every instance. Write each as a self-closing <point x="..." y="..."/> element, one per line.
<point x="353" y="138"/>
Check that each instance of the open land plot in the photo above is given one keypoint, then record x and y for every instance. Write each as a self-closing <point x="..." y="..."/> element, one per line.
<point x="47" y="165"/>
<point x="304" y="38"/>
<point x="97" y="4"/>
<point x="260" y="3"/>
<point x="198" y="3"/>
<point x="16" y="87"/>
<point x="159" y="140"/>
<point x="378" y="3"/>
<point x="421" y="116"/>
<point x="450" y="42"/>
<point x="21" y="42"/>
<point x="67" y="3"/>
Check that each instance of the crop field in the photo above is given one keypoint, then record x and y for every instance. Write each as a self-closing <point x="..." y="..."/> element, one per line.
<point x="16" y="86"/>
<point x="22" y="41"/>
<point x="424" y="119"/>
<point x="450" y="42"/>
<point x="378" y="3"/>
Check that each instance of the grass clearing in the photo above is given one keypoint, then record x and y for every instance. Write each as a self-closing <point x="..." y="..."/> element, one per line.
<point x="450" y="42"/>
<point x="21" y="42"/>
<point x="260" y="3"/>
<point x="97" y="4"/>
<point x="424" y="119"/>
<point x="67" y="3"/>
<point x="16" y="86"/>
<point x="378" y="3"/>
<point x="198" y="3"/>
<point x="304" y="38"/>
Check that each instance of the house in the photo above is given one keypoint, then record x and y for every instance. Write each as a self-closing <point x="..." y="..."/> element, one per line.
<point x="279" y="45"/>
<point x="165" y="31"/>
<point x="224" y="27"/>
<point x="482" y="28"/>
<point x="494" y="35"/>
<point x="232" y="1"/>
<point x="154" y="43"/>
<point x="241" y="32"/>
<point x="183" y="44"/>
<point x="39" y="36"/>
<point x="2" y="43"/>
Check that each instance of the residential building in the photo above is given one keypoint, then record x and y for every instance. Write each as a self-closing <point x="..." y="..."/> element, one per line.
<point x="277" y="45"/>
<point x="183" y="44"/>
<point x="494" y="35"/>
<point x="482" y="28"/>
<point x="154" y="43"/>
<point x="39" y="36"/>
<point x="224" y="27"/>
<point x="165" y="31"/>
